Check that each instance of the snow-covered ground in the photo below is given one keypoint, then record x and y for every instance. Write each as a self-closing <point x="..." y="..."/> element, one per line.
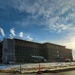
<point x="36" y="65"/>
<point x="3" y="66"/>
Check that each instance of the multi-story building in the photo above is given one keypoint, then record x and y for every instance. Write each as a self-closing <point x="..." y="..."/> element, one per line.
<point x="21" y="51"/>
<point x="24" y="50"/>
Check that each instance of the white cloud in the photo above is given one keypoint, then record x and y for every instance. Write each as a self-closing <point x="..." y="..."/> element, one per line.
<point x="10" y="36"/>
<point x="54" y="13"/>
<point x="25" y="37"/>
<point x="21" y="34"/>
<point x="60" y="27"/>
<point x="2" y="32"/>
<point x="12" y="31"/>
<point x="29" y="38"/>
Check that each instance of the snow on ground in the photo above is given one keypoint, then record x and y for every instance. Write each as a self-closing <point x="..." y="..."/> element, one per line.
<point x="33" y="67"/>
<point x="3" y="66"/>
<point x="36" y="65"/>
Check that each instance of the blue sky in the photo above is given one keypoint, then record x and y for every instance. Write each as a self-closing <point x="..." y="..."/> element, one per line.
<point x="39" y="20"/>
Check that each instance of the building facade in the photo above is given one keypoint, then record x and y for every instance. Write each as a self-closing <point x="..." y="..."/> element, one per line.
<point x="8" y="50"/>
<point x="24" y="50"/>
<point x="21" y="51"/>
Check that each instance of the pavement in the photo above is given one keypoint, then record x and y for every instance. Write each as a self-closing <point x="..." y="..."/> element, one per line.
<point x="60" y="73"/>
<point x="27" y="74"/>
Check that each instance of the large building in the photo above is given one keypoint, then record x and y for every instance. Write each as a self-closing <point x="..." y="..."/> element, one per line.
<point x="21" y="51"/>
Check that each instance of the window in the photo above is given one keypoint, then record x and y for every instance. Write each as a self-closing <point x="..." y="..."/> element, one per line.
<point x="57" y="55"/>
<point x="56" y="47"/>
<point x="57" y="51"/>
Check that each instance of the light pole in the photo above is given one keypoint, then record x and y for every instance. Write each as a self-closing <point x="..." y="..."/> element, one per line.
<point x="20" y="68"/>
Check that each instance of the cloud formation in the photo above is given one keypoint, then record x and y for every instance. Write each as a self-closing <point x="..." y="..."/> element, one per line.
<point x="29" y="38"/>
<point x="26" y="37"/>
<point x="21" y="34"/>
<point x="2" y="32"/>
<point x="54" y="15"/>
<point x="12" y="31"/>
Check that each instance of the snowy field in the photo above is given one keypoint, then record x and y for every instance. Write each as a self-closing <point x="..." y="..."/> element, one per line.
<point x="34" y="67"/>
<point x="36" y="64"/>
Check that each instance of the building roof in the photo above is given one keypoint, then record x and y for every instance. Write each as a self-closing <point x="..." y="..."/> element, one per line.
<point x="26" y="41"/>
<point x="68" y="49"/>
<point x="54" y="44"/>
<point x="37" y="42"/>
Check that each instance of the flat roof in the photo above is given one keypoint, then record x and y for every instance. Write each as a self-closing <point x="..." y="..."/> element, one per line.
<point x="68" y="49"/>
<point x="54" y="44"/>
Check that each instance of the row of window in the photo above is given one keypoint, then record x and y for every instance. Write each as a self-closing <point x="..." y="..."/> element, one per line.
<point x="26" y="54"/>
<point x="26" y="48"/>
<point x="27" y="44"/>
